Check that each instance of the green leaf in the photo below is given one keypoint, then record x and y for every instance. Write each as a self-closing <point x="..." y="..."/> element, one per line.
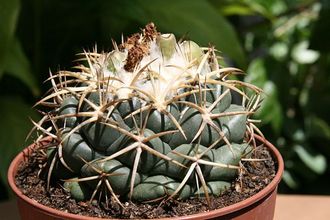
<point x="316" y="163"/>
<point x="290" y="180"/>
<point x="260" y="8"/>
<point x="16" y="64"/>
<point x="317" y="127"/>
<point x="301" y="54"/>
<point x="236" y="9"/>
<point x="321" y="30"/>
<point x="304" y="95"/>
<point x="279" y="50"/>
<point x="256" y="73"/>
<point x="196" y="19"/>
<point x="269" y="8"/>
<point x="9" y="12"/>
<point x="299" y="136"/>
<point x="15" y="125"/>
<point x="271" y="110"/>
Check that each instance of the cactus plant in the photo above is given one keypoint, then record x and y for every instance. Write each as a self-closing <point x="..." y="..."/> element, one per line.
<point x="151" y="120"/>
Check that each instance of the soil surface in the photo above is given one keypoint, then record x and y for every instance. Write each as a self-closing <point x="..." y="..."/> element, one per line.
<point x="256" y="176"/>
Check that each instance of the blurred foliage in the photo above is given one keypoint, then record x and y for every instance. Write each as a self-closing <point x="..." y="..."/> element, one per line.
<point x="282" y="44"/>
<point x="295" y="78"/>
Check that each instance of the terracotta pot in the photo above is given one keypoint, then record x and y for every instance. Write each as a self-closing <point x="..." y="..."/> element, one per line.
<point x="260" y="206"/>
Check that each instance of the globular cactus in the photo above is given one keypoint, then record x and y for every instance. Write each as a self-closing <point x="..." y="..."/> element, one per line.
<point x="151" y="120"/>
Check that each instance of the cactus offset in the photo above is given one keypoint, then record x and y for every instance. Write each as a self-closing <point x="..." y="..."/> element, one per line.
<point x="151" y="120"/>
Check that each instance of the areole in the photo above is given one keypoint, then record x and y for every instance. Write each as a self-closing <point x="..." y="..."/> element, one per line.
<point x="259" y="206"/>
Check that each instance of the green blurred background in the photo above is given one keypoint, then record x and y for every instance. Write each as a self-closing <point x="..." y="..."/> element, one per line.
<point x="283" y="45"/>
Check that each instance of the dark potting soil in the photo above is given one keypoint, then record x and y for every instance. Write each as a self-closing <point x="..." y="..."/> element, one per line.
<point x="256" y="176"/>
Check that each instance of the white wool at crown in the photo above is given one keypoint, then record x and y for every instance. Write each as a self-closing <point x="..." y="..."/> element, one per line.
<point x="172" y="72"/>
<point x="169" y="73"/>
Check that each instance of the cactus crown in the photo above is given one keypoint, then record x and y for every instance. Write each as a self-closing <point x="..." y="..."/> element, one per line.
<point x="151" y="120"/>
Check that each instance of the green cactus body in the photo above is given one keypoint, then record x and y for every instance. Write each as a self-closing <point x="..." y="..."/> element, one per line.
<point x="173" y="170"/>
<point x="101" y="136"/>
<point x="148" y="160"/>
<point x="191" y="122"/>
<point x="78" y="190"/>
<point x="151" y="120"/>
<point x="228" y="155"/>
<point x="159" y="122"/>
<point x="158" y="187"/>
<point x="214" y="188"/>
<point x="234" y="126"/>
<point x="69" y="106"/>
<point x="120" y="179"/>
<point x="76" y="150"/>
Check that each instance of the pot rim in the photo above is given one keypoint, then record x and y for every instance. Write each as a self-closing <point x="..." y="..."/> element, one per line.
<point x="210" y="214"/>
